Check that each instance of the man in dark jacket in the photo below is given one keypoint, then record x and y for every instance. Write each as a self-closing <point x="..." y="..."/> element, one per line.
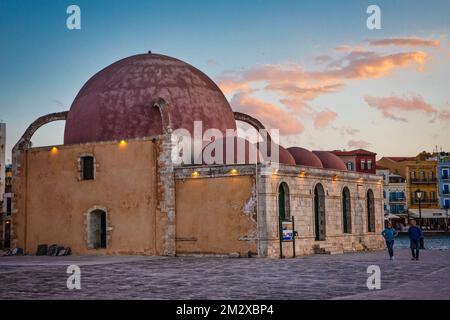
<point x="415" y="234"/>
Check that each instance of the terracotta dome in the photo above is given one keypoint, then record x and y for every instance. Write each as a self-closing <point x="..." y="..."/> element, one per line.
<point x="284" y="156"/>
<point x="117" y="102"/>
<point x="249" y="151"/>
<point x="305" y="157"/>
<point x="330" y="161"/>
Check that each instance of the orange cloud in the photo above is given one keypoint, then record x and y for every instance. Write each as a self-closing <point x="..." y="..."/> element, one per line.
<point x="324" y="118"/>
<point x="358" y="144"/>
<point x="269" y="114"/>
<point x="406" y="42"/>
<point x="306" y="93"/>
<point x="389" y="106"/>
<point x="367" y="65"/>
<point x="292" y="80"/>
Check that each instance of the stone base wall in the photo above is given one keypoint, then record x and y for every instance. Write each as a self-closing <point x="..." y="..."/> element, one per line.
<point x="301" y="182"/>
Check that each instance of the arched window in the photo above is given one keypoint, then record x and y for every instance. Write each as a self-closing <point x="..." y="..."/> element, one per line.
<point x="283" y="202"/>
<point x="87" y="167"/>
<point x="370" y="211"/>
<point x="96" y="232"/>
<point x="319" y="212"/>
<point x="346" y="211"/>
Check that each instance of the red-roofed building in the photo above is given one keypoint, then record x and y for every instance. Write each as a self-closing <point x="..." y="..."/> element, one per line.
<point x="359" y="160"/>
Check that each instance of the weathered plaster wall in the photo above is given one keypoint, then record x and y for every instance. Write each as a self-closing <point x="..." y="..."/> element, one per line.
<point x="216" y="215"/>
<point x="52" y="202"/>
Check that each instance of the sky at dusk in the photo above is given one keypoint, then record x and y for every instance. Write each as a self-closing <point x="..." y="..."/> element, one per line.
<point x="310" y="68"/>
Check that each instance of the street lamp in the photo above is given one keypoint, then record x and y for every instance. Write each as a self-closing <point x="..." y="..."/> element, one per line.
<point x="419" y="195"/>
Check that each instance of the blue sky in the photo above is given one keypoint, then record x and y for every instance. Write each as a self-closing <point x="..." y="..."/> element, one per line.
<point x="43" y="64"/>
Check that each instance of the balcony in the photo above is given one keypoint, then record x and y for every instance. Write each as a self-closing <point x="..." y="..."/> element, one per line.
<point x="398" y="200"/>
<point x="445" y="177"/>
<point x="423" y="181"/>
<point x="446" y="192"/>
<point x="425" y="202"/>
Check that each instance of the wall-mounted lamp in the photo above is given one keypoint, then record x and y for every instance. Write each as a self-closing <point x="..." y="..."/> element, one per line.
<point x="195" y="174"/>
<point x="54" y="150"/>
<point x="122" y="143"/>
<point x="233" y="171"/>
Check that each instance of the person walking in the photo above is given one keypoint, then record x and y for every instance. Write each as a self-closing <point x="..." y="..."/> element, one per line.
<point x="415" y="235"/>
<point x="389" y="234"/>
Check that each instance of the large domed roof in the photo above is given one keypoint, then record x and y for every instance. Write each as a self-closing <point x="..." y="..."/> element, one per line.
<point x="305" y="157"/>
<point x="330" y="160"/>
<point x="117" y="102"/>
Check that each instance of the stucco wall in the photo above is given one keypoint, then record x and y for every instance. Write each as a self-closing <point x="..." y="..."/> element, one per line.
<point x="53" y="202"/>
<point x="216" y="215"/>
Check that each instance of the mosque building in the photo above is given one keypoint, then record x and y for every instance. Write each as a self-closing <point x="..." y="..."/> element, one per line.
<point x="113" y="187"/>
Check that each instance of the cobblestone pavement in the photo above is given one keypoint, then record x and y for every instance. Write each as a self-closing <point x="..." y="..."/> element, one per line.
<point x="312" y="277"/>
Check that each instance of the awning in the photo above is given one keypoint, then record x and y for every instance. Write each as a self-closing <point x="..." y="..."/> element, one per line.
<point x="430" y="213"/>
<point x="391" y="216"/>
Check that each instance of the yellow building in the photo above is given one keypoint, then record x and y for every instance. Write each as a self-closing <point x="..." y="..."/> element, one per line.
<point x="422" y="175"/>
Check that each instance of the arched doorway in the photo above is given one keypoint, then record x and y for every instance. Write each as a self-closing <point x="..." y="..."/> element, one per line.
<point x="283" y="202"/>
<point x="97" y="229"/>
<point x="319" y="212"/>
<point x="370" y="211"/>
<point x="346" y="211"/>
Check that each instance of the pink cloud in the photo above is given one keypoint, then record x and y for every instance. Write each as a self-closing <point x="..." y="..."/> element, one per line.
<point x="269" y="114"/>
<point x="347" y="131"/>
<point x="323" y="118"/>
<point x="389" y="106"/>
<point x="406" y="42"/>
<point x="358" y="144"/>
<point x="306" y="93"/>
<point x="292" y="80"/>
<point x="444" y="115"/>
<point x="371" y="65"/>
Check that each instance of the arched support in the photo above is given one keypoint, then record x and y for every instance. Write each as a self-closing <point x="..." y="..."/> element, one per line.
<point x="165" y="115"/>
<point x="25" y="140"/>
<point x="255" y="123"/>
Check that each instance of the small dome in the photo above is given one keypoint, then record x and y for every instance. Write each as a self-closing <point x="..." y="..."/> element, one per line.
<point x="330" y="161"/>
<point x="117" y="102"/>
<point x="305" y="157"/>
<point x="235" y="151"/>
<point x="284" y="156"/>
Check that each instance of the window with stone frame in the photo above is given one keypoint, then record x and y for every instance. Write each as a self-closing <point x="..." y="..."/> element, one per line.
<point x="346" y="211"/>
<point x="87" y="167"/>
<point x="284" y="201"/>
<point x="370" y="211"/>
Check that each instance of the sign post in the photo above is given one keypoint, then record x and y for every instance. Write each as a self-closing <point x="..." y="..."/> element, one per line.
<point x="287" y="234"/>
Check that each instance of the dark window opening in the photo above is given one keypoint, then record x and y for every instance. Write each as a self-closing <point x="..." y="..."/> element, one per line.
<point x="370" y="211"/>
<point x="346" y="211"/>
<point x="283" y="202"/>
<point x="319" y="213"/>
<point x="87" y="165"/>
<point x="8" y="206"/>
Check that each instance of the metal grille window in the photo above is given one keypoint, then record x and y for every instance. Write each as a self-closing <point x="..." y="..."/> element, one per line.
<point x="87" y="168"/>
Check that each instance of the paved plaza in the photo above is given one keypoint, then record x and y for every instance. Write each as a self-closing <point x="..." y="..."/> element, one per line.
<point x="312" y="277"/>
